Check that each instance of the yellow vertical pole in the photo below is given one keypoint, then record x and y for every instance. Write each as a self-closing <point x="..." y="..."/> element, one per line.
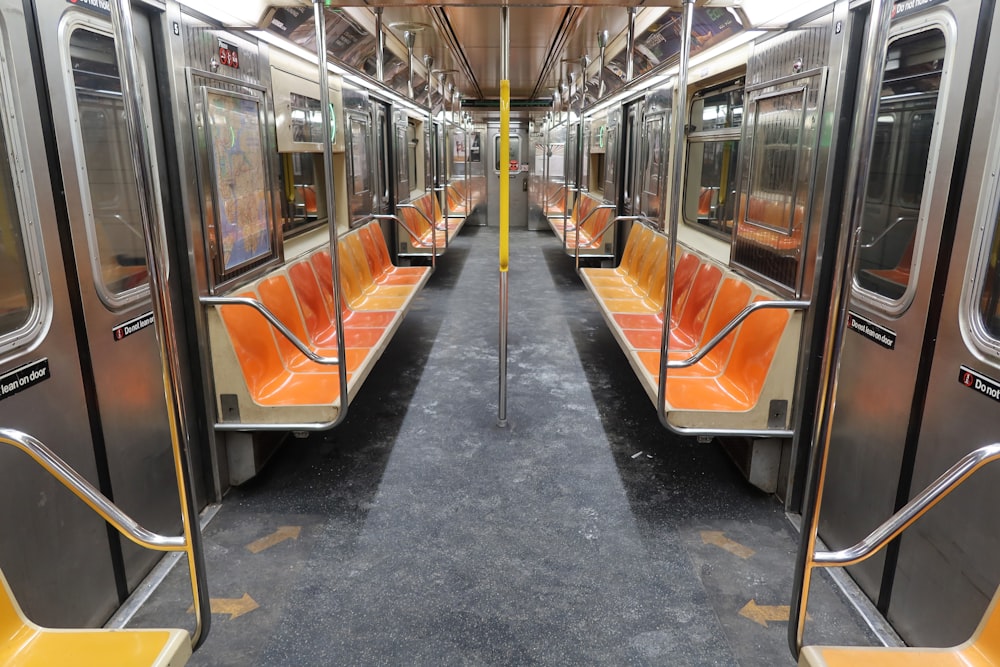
<point x="504" y="206"/>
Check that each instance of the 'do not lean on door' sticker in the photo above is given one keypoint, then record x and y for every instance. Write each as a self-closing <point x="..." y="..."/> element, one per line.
<point x="979" y="383"/>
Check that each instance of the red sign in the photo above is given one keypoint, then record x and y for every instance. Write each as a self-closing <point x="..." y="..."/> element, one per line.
<point x="229" y="55"/>
<point x="513" y="165"/>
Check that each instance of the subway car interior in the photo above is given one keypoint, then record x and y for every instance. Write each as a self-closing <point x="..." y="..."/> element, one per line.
<point x="471" y="333"/>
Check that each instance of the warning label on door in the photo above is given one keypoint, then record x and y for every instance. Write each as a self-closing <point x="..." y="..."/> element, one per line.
<point x="21" y="378"/>
<point x="979" y="382"/>
<point x="126" y="329"/>
<point x="876" y="332"/>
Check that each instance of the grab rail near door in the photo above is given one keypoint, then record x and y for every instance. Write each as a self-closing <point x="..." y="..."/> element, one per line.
<point x="188" y="542"/>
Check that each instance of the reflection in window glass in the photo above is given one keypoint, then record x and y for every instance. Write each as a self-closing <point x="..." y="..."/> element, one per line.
<point x="989" y="303"/>
<point x="903" y="139"/>
<point x="300" y="173"/>
<point x="359" y="157"/>
<point x="713" y="158"/>
<point x="117" y="226"/>
<point x="16" y="298"/>
<point x="774" y="155"/>
<point x="652" y="168"/>
<point x="515" y="151"/>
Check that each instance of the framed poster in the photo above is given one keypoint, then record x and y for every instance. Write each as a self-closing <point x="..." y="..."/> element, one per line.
<point x="239" y="179"/>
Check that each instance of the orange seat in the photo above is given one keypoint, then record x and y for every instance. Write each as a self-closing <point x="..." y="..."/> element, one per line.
<point x="269" y="382"/>
<point x="732" y="297"/>
<point x="382" y="269"/>
<point x="980" y="650"/>
<point x="368" y="318"/>
<point x="26" y="644"/>
<point x="688" y="317"/>
<point x="276" y="295"/>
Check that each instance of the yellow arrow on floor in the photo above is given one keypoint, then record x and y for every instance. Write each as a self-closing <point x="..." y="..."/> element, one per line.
<point x="235" y="607"/>
<point x="277" y="537"/>
<point x="762" y="613"/>
<point x="719" y="539"/>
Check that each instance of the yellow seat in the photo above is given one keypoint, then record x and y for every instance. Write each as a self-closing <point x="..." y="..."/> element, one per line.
<point x="981" y="650"/>
<point x="28" y="645"/>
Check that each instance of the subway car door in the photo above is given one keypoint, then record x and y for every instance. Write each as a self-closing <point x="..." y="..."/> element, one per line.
<point x="946" y="572"/>
<point x="883" y="376"/>
<point x="109" y="253"/>
<point x="55" y="552"/>
<point x="518" y="175"/>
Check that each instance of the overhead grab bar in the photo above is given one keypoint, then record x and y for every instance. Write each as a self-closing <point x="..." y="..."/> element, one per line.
<point x="731" y="326"/>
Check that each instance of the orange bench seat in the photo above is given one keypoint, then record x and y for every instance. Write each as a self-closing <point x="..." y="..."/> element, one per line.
<point x="732" y="385"/>
<point x="264" y="370"/>
<point x="592" y="235"/>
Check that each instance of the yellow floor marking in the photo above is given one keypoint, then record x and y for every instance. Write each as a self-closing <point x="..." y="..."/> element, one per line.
<point x="277" y="537"/>
<point x="235" y="607"/>
<point x="762" y="613"/>
<point x="719" y="539"/>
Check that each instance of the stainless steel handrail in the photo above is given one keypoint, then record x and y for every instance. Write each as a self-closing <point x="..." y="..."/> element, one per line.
<point x="676" y="185"/>
<point x="870" y="69"/>
<point x="326" y="110"/>
<point x="90" y="495"/>
<point x="433" y="225"/>
<point x="273" y="321"/>
<point x="934" y="493"/>
<point x="731" y="326"/>
<point x="881" y="235"/>
<point x="614" y="221"/>
<point x="409" y="230"/>
<point x="580" y="223"/>
<point x="164" y="320"/>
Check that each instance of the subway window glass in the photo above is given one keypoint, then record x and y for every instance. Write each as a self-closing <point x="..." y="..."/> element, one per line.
<point x="903" y="136"/>
<point x="989" y="300"/>
<point x="713" y="158"/>
<point x="302" y="209"/>
<point x="16" y="297"/>
<point x="114" y="221"/>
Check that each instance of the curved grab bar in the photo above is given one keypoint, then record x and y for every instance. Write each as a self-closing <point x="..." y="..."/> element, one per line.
<point x="433" y="226"/>
<point x="274" y="322"/>
<point x="733" y="323"/>
<point x="937" y="491"/>
<point x="580" y="223"/>
<point x="614" y="221"/>
<point x="122" y="522"/>
<point x="409" y="230"/>
<point x="881" y="235"/>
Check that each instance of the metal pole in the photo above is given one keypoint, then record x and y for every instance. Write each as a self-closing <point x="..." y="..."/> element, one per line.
<point x="410" y="39"/>
<point x="504" y="207"/>
<point x="602" y="43"/>
<point x="676" y="184"/>
<point x="379" y="46"/>
<point x="630" y="45"/>
<point x="324" y="98"/>
<point x="154" y="229"/>
<point x="869" y="91"/>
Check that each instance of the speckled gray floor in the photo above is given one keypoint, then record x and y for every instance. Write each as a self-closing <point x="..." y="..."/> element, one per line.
<point x="429" y="536"/>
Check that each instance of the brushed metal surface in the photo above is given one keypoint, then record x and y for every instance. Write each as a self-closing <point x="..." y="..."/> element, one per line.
<point x="518" y="194"/>
<point x="947" y="570"/>
<point x="876" y="384"/>
<point x="127" y="372"/>
<point x="55" y="551"/>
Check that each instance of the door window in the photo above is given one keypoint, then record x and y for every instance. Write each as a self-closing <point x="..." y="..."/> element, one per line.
<point x="900" y="165"/>
<point x="515" y="153"/>
<point x="111" y="204"/>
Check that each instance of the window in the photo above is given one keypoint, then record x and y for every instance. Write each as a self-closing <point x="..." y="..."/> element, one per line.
<point x="989" y="302"/>
<point x="713" y="158"/>
<point x="774" y="160"/>
<point x="17" y="299"/>
<point x="114" y="223"/>
<point x="895" y="188"/>
<point x="360" y="178"/>
<point x="412" y="144"/>
<point x="515" y="151"/>
<point x="302" y="179"/>
<point x="652" y="167"/>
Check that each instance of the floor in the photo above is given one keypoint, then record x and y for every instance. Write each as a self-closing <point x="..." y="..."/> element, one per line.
<point x="421" y="533"/>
